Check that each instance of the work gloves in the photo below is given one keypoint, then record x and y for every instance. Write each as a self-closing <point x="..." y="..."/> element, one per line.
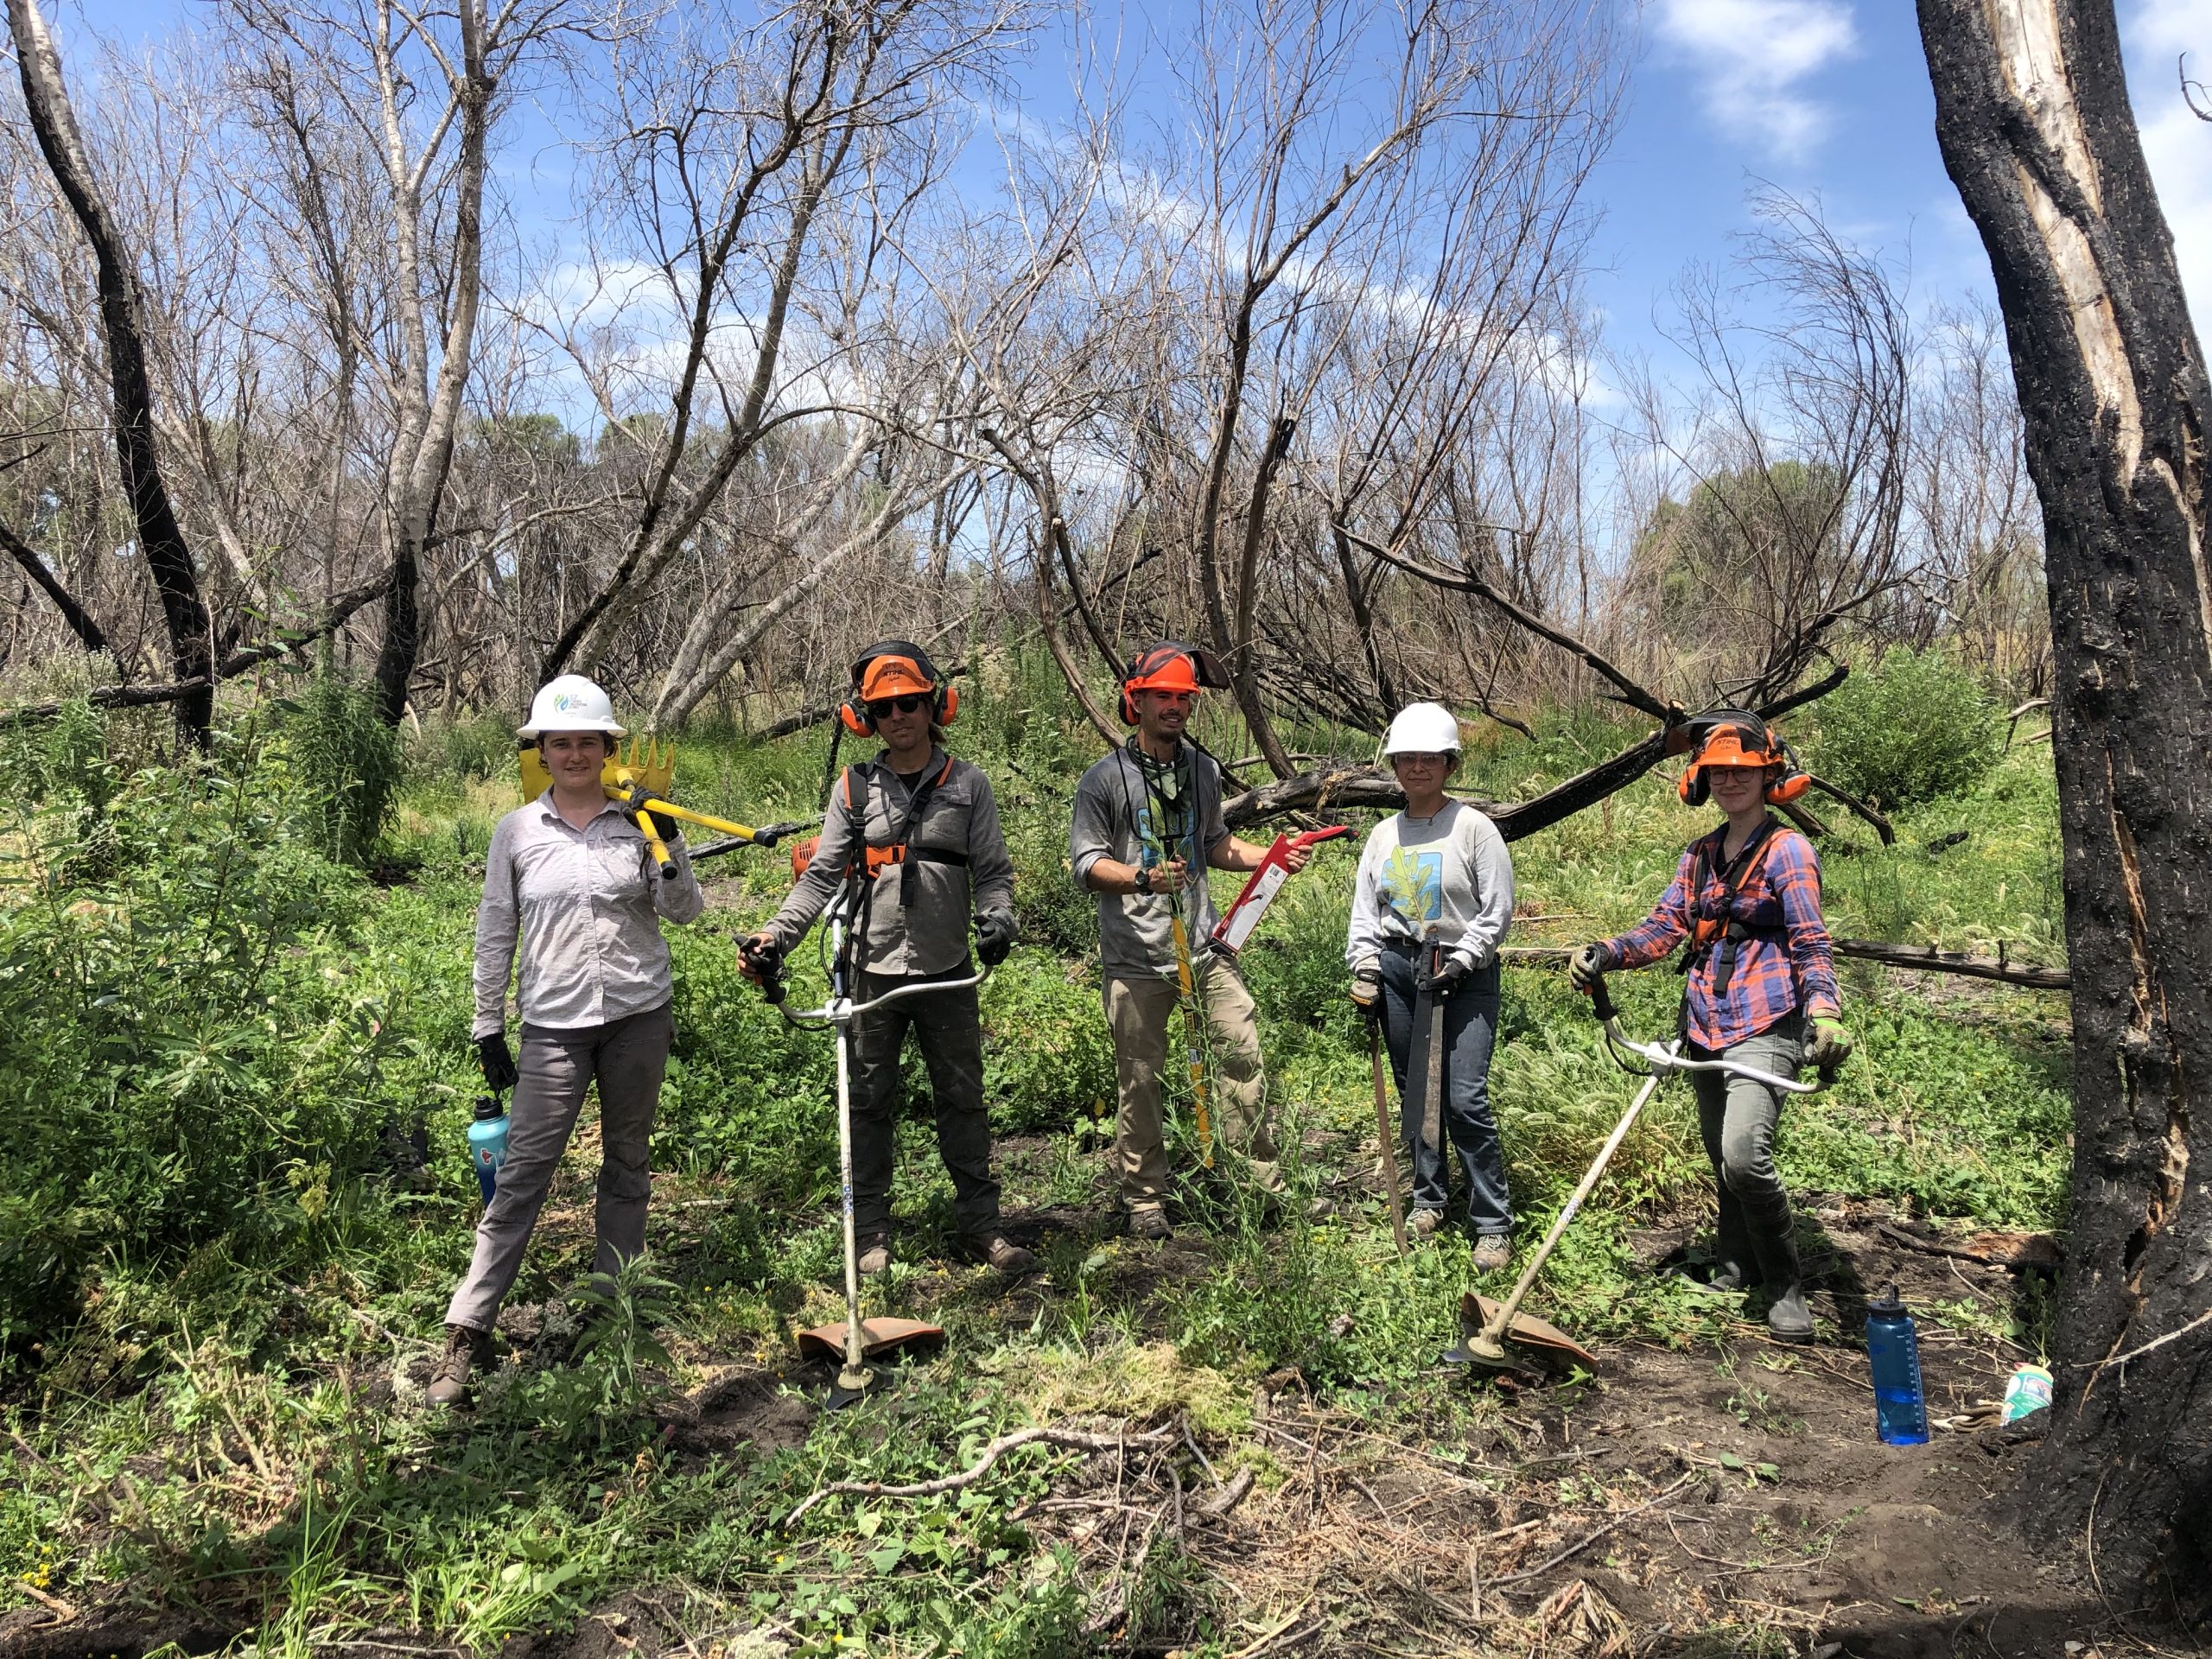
<point x="994" y="935"/>
<point x="498" y="1061"/>
<point x="1588" y="967"/>
<point x="1447" y="978"/>
<point x="1367" y="994"/>
<point x="759" y="956"/>
<point x="1829" y="1045"/>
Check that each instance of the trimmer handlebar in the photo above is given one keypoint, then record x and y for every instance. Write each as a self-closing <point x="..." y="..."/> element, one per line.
<point x="1660" y="1061"/>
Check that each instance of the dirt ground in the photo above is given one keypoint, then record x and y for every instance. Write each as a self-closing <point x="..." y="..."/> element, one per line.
<point x="1715" y="1499"/>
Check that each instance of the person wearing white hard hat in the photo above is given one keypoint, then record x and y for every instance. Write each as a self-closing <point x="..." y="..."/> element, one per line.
<point x="573" y="893"/>
<point x="1430" y="907"/>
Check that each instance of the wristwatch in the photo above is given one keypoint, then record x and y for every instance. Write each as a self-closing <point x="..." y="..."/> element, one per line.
<point x="1144" y="879"/>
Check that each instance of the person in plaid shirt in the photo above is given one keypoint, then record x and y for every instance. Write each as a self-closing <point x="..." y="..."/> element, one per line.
<point x="1761" y="990"/>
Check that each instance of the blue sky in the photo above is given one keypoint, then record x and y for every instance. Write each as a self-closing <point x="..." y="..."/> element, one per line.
<point x="1822" y="97"/>
<point x="1831" y="98"/>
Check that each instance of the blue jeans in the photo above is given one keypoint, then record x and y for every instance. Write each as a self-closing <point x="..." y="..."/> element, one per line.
<point x="1469" y="1017"/>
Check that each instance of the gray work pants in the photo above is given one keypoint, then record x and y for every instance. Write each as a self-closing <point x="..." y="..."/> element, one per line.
<point x="1737" y="1119"/>
<point x="949" y="1029"/>
<point x="628" y="1058"/>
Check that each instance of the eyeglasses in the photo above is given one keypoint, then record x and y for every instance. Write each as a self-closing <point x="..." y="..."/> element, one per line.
<point x="904" y="705"/>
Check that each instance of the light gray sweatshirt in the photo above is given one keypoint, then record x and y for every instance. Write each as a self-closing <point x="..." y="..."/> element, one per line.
<point x="1448" y="878"/>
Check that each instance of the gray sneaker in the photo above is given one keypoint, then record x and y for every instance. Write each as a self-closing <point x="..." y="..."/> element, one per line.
<point x="466" y="1351"/>
<point x="1425" y="1223"/>
<point x="875" y="1255"/>
<point x="1493" y="1251"/>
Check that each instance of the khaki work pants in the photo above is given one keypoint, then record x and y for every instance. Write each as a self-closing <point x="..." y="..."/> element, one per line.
<point x="628" y="1057"/>
<point x="1140" y="1013"/>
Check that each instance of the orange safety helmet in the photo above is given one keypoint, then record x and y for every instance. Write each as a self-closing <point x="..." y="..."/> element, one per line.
<point x="1730" y="737"/>
<point x="893" y="668"/>
<point x="1171" y="666"/>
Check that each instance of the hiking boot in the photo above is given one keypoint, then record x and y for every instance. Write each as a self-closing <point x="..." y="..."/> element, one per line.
<point x="1002" y="1252"/>
<point x="1493" y="1251"/>
<point x="1149" y="1221"/>
<point x="1727" y="1279"/>
<point x="1425" y="1223"/>
<point x="875" y="1255"/>
<point x="466" y="1351"/>
<point x="1787" y="1319"/>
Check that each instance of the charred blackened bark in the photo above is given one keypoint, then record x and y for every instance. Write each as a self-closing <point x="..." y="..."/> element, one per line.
<point x="2033" y="118"/>
<point x="160" y="539"/>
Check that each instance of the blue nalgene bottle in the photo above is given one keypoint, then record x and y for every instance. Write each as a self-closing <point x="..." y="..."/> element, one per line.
<point x="1893" y="1353"/>
<point x="487" y="1144"/>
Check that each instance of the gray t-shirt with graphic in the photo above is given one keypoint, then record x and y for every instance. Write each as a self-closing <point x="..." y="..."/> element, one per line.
<point x="1122" y="814"/>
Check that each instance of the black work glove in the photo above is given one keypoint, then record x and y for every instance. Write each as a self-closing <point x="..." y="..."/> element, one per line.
<point x="1588" y="967"/>
<point x="761" y="957"/>
<point x="1448" y="978"/>
<point x="498" y="1061"/>
<point x="995" y="932"/>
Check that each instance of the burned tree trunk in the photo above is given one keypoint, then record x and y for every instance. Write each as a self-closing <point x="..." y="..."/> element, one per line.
<point x="161" y="539"/>
<point x="2032" y="115"/>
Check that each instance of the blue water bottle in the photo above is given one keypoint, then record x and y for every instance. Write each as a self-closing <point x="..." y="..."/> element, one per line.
<point x="1893" y="1353"/>
<point x="487" y="1144"/>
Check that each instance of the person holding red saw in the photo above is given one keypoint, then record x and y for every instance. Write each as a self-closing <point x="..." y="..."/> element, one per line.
<point x="1430" y="907"/>
<point x="1148" y="826"/>
<point x="1760" y="989"/>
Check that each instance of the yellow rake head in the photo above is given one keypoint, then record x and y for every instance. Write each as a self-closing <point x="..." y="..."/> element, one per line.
<point x="649" y="762"/>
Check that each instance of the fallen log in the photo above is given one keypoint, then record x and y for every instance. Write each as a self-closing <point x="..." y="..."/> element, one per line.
<point x="1918" y="957"/>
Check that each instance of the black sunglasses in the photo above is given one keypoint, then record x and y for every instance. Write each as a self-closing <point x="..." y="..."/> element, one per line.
<point x="904" y="705"/>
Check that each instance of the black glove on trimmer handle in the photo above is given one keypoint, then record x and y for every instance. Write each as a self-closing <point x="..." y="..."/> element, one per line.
<point x="498" y="1061"/>
<point x="995" y="931"/>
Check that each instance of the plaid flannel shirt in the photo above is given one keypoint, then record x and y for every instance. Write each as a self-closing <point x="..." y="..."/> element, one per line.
<point x="1781" y="893"/>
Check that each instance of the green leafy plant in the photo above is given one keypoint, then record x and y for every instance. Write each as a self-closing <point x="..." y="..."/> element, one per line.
<point x="1915" y="727"/>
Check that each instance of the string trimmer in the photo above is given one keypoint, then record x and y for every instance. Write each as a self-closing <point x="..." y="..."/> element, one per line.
<point x="641" y="780"/>
<point x="1484" y="1325"/>
<point x="855" y="1341"/>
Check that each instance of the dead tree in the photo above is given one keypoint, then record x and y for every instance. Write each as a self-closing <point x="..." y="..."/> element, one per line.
<point x="2032" y="114"/>
<point x="160" y="539"/>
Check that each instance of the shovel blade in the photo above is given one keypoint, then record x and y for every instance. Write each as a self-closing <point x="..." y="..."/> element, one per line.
<point x="878" y="1338"/>
<point x="1476" y="1310"/>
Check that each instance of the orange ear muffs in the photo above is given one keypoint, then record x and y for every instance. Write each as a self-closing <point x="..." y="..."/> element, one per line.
<point x="948" y="704"/>
<point x="855" y="717"/>
<point x="1729" y="737"/>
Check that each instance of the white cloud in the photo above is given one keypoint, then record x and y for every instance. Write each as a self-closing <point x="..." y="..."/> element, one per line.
<point x="1752" y="57"/>
<point x="2178" y="145"/>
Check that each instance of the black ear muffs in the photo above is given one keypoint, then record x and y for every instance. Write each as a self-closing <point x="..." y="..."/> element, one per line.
<point x="944" y="708"/>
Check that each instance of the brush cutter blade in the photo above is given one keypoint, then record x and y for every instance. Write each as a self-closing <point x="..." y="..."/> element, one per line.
<point x="878" y="1338"/>
<point x="1538" y="1338"/>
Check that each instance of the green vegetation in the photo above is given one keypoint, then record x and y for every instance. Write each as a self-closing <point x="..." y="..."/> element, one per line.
<point x="236" y="1076"/>
<point x="1914" y="727"/>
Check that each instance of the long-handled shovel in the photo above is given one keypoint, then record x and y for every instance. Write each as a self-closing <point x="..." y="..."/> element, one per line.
<point x="1386" y="1133"/>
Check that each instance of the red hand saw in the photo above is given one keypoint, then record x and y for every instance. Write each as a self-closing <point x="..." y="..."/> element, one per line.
<point x="1234" y="931"/>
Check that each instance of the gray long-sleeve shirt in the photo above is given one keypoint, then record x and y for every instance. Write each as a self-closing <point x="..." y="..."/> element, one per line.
<point x="1448" y="878"/>
<point x="584" y="904"/>
<point x="960" y="818"/>
<point x="1114" y="818"/>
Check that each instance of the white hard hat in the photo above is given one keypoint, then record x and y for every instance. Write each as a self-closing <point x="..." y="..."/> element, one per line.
<point x="1423" y="728"/>
<point x="570" y="703"/>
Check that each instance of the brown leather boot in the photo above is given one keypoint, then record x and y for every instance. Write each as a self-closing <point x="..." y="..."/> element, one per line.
<point x="466" y="1351"/>
<point x="1002" y="1252"/>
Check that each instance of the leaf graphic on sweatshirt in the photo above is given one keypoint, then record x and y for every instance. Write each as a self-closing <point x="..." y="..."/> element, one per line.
<point x="1413" y="886"/>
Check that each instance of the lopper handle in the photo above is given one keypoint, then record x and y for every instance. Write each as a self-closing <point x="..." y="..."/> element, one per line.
<point x="1315" y="837"/>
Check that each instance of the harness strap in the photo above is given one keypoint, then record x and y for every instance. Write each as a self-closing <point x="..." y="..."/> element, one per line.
<point x="1722" y="933"/>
